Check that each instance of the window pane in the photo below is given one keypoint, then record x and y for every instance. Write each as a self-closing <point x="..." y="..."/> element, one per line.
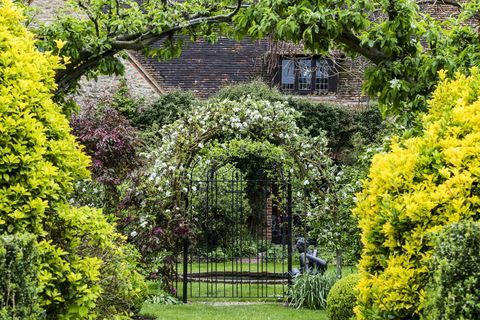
<point x="305" y="74"/>
<point x="321" y="75"/>
<point x="288" y="74"/>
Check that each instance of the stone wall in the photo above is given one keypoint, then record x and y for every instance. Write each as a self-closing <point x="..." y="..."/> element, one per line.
<point x="140" y="83"/>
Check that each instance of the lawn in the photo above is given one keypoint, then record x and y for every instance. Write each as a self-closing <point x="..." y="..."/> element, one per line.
<point x="277" y="267"/>
<point x="200" y="311"/>
<point x="252" y="266"/>
<point x="241" y="291"/>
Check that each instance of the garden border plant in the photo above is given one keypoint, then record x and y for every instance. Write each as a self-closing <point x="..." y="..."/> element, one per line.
<point x="71" y="254"/>
<point x="419" y="186"/>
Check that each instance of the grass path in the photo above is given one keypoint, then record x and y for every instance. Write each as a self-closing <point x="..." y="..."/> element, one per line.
<point x="219" y="311"/>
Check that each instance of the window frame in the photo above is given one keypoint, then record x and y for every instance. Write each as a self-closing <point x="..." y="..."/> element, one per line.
<point x="314" y="62"/>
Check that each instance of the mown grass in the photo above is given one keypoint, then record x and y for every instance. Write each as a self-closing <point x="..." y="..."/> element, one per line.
<point x="242" y="291"/>
<point x="277" y="267"/>
<point x="199" y="311"/>
<point x="230" y="265"/>
<point x="229" y="309"/>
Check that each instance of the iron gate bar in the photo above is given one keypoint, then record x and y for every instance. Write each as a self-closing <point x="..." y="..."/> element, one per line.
<point x="290" y="226"/>
<point x="268" y="218"/>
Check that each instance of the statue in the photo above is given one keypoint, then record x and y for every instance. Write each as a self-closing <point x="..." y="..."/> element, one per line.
<point x="308" y="260"/>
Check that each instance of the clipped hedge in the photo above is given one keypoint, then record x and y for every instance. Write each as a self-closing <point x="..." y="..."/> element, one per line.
<point x="18" y="280"/>
<point x="256" y="89"/>
<point x="421" y="185"/>
<point x="342" y="298"/>
<point x="454" y="289"/>
<point x="166" y="109"/>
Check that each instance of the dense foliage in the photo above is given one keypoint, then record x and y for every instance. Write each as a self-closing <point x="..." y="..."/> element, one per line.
<point x="422" y="184"/>
<point x="349" y="133"/>
<point x="310" y="290"/>
<point x="331" y="220"/>
<point x="218" y="133"/>
<point x="109" y="140"/>
<point x="257" y="90"/>
<point x="342" y="298"/>
<point x="166" y="109"/>
<point x="112" y="143"/>
<point x="39" y="161"/>
<point x="405" y="45"/>
<point x="148" y="116"/>
<point x="342" y="126"/>
<point x="18" y="281"/>
<point x="454" y="289"/>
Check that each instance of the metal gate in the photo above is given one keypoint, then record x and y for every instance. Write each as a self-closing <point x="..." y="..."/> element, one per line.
<point x="243" y="239"/>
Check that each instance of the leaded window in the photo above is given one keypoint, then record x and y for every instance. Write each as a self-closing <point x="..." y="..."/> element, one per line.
<point x="307" y="75"/>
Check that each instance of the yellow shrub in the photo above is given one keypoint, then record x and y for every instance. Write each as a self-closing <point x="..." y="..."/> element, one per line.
<point x="422" y="184"/>
<point x="39" y="161"/>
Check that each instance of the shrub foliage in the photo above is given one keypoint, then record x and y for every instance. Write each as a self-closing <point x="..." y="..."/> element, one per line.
<point x="454" y="289"/>
<point x="310" y="290"/>
<point x="39" y="161"/>
<point x="342" y="298"/>
<point x="422" y="184"/>
<point x="18" y="270"/>
<point x="109" y="140"/>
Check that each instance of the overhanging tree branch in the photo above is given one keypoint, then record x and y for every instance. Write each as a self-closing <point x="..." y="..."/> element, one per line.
<point x="142" y="41"/>
<point x="373" y="54"/>
<point x="88" y="60"/>
<point x="69" y="78"/>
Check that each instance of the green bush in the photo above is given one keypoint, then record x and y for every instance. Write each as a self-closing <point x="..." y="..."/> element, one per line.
<point x="99" y="258"/>
<point x="310" y="290"/>
<point x="165" y="110"/>
<point x="18" y="281"/>
<point x="342" y="298"/>
<point x="123" y="289"/>
<point x="454" y="288"/>
<point x="258" y="90"/>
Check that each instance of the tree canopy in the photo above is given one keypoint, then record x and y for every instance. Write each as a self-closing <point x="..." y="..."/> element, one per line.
<point x="405" y="45"/>
<point x="92" y="32"/>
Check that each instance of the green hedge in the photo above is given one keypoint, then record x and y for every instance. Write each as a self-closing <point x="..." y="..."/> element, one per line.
<point x="18" y="277"/>
<point x="454" y="289"/>
<point x="342" y="298"/>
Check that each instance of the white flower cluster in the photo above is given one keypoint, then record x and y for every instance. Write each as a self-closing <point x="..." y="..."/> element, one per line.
<point x="222" y="121"/>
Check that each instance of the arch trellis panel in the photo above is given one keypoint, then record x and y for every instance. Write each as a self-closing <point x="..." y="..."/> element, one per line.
<point x="242" y="246"/>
